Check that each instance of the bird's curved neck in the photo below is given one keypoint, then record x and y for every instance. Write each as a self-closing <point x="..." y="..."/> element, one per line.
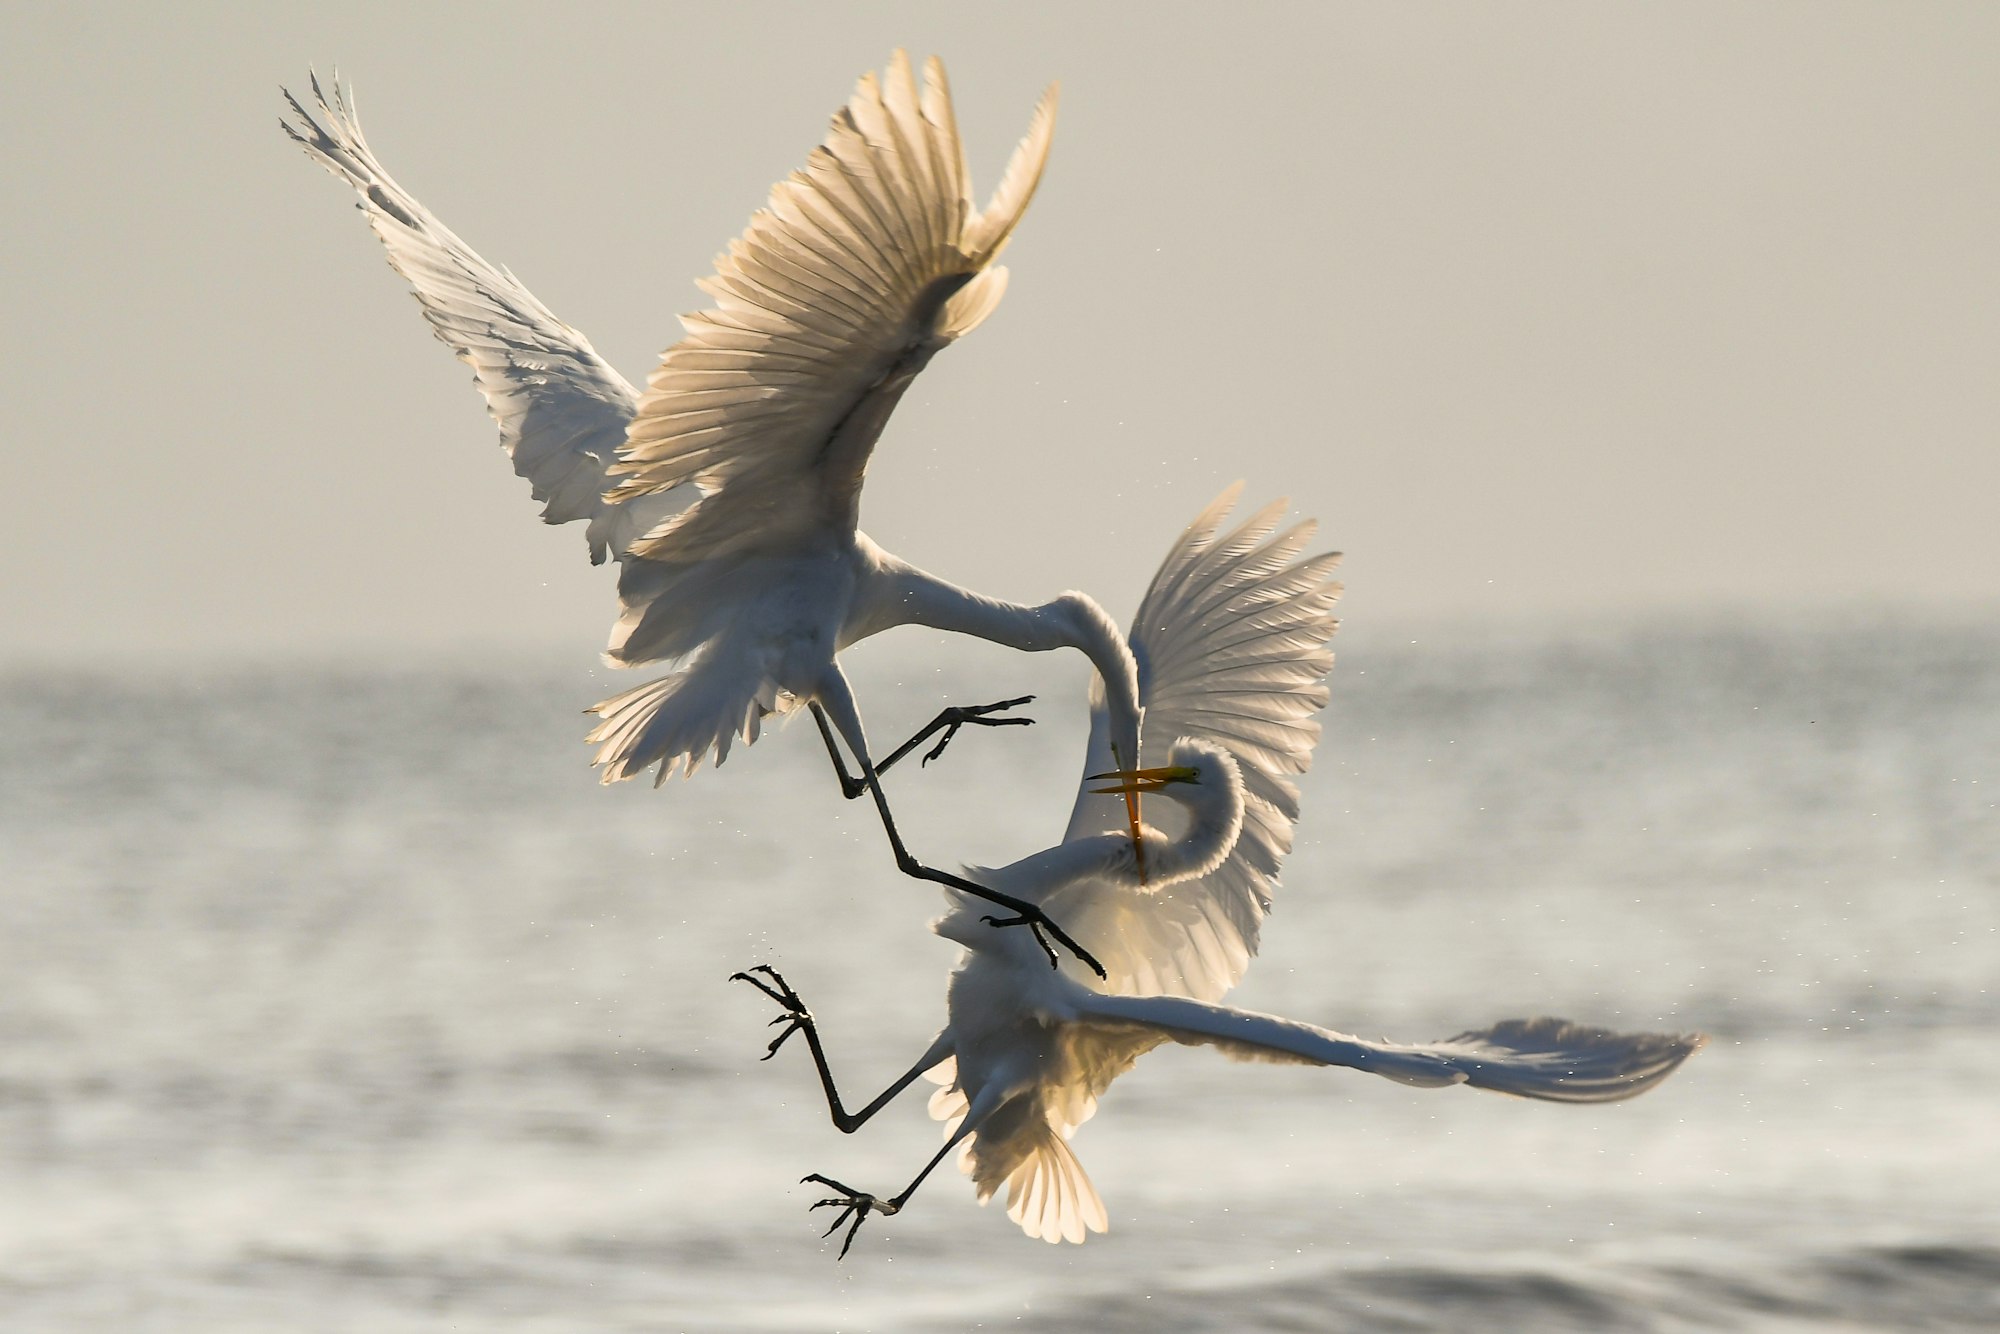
<point x="1215" y="811"/>
<point x="907" y="595"/>
<point x="1097" y="636"/>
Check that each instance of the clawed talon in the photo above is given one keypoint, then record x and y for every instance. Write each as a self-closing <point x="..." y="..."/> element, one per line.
<point x="949" y="720"/>
<point x="1037" y="921"/>
<point x="958" y="717"/>
<point x="793" y="1023"/>
<point x="796" y="1015"/>
<point x="852" y="1204"/>
<point x="1026" y="914"/>
<point x="1034" y="926"/>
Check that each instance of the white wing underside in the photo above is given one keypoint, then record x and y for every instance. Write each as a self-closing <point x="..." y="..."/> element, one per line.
<point x="756" y="427"/>
<point x="1050" y="1196"/>
<point x="1231" y="641"/>
<point x="562" y="410"/>
<point x="861" y="266"/>
<point x="1545" y="1058"/>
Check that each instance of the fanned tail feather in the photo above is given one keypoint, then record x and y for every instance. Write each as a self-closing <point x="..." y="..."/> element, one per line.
<point x="1048" y="1192"/>
<point x="679" y="719"/>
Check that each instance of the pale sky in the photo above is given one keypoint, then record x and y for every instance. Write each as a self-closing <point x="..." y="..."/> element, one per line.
<point x="1545" y="310"/>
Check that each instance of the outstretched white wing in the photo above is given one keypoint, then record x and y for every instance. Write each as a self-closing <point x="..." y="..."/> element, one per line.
<point x="562" y="410"/>
<point x="1550" y="1059"/>
<point x="860" y="268"/>
<point x="1231" y="641"/>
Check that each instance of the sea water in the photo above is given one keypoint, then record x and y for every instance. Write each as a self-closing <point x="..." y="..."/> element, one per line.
<point x="343" y="998"/>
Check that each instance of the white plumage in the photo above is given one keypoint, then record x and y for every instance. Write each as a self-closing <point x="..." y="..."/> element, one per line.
<point x="1231" y="642"/>
<point x="1232" y="645"/>
<point x="729" y="491"/>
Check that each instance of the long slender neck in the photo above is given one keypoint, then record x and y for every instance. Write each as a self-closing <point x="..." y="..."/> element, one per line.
<point x="900" y="594"/>
<point x="1118" y="678"/>
<point x="1215" y="808"/>
<point x="894" y="592"/>
<point x="1096" y="635"/>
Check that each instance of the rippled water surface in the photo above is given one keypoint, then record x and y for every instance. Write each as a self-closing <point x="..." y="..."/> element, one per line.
<point x="344" y="1000"/>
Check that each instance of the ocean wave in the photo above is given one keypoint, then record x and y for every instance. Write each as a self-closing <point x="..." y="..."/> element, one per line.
<point x="1940" y="1286"/>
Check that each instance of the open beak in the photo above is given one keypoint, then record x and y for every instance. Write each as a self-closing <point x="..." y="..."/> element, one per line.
<point x="1143" y="780"/>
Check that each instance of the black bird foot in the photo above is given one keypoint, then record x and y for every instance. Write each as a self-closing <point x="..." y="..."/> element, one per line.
<point x="1037" y="922"/>
<point x="853" y="1204"/>
<point x="977" y="715"/>
<point x="796" y="1015"/>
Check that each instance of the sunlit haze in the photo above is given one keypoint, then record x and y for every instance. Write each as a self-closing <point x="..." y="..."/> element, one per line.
<point x="1542" y="310"/>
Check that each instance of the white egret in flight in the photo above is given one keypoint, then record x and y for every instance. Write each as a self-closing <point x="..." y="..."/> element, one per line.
<point x="729" y="492"/>
<point x="1231" y="643"/>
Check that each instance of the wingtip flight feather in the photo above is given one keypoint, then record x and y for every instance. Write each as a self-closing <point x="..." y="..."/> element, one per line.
<point x="869" y="257"/>
<point x="1232" y="637"/>
<point x="989" y="233"/>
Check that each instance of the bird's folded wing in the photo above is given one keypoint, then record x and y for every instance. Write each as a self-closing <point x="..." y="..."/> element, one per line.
<point x="1550" y="1059"/>
<point x="562" y="410"/>
<point x="861" y="266"/>
<point x="1231" y="641"/>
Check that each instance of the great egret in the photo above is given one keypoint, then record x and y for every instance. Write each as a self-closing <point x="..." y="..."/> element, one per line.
<point x="1231" y="642"/>
<point x="730" y="490"/>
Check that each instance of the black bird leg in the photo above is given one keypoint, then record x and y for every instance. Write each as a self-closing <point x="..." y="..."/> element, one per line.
<point x="948" y="722"/>
<point x="798" y="1019"/>
<point x="1024" y="913"/>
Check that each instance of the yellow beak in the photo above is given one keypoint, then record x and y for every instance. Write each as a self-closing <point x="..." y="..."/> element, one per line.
<point x="1144" y="780"/>
<point x="1131" y="795"/>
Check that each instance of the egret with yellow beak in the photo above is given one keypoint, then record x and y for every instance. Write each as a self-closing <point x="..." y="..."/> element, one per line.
<point x="1231" y="642"/>
<point x="729" y="491"/>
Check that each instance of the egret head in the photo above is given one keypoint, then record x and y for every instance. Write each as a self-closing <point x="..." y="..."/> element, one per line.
<point x="1204" y="779"/>
<point x="1192" y="766"/>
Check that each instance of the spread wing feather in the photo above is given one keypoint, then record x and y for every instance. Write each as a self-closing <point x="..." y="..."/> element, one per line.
<point x="1232" y="647"/>
<point x="562" y="410"/>
<point x="861" y="266"/>
<point x="1545" y="1058"/>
